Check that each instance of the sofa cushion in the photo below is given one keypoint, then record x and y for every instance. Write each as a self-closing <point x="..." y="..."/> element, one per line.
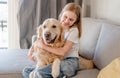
<point x="108" y="46"/>
<point x="13" y="61"/>
<point x="90" y="73"/>
<point x="90" y="33"/>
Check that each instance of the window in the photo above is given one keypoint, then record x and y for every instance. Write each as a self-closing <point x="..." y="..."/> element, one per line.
<point x="3" y="24"/>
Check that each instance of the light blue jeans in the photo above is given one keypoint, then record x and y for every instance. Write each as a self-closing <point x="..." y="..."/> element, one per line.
<point x="68" y="67"/>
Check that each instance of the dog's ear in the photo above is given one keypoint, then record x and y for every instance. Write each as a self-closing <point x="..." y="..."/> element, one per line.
<point x="39" y="31"/>
<point x="62" y="34"/>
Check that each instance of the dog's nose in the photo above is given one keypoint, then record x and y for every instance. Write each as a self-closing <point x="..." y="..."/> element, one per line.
<point x="47" y="34"/>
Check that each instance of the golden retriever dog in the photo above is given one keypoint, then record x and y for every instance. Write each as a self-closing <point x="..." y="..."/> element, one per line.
<point x="52" y="34"/>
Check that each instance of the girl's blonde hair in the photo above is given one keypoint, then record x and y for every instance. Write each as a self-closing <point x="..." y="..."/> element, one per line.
<point x="77" y="10"/>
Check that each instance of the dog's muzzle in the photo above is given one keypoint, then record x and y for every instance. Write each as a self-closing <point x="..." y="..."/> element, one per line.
<point x="48" y="38"/>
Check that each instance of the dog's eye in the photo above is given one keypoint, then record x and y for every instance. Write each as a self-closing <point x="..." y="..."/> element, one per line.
<point x="44" y="26"/>
<point x="53" y="26"/>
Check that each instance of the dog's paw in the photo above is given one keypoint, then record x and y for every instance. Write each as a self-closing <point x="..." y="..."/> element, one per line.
<point x="56" y="68"/>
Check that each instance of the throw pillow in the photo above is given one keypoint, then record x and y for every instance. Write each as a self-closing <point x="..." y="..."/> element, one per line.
<point x="112" y="70"/>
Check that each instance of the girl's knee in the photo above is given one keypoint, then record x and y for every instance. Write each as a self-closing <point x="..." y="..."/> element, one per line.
<point x="26" y="71"/>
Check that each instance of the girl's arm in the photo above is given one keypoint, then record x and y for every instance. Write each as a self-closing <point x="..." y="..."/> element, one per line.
<point x="58" y="51"/>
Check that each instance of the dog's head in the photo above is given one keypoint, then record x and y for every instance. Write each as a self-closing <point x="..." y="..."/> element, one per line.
<point x="51" y="31"/>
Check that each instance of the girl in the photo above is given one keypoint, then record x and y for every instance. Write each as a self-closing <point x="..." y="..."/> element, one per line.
<point x="70" y="18"/>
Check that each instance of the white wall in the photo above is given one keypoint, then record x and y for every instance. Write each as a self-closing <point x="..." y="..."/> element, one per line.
<point x="106" y="9"/>
<point x="13" y="33"/>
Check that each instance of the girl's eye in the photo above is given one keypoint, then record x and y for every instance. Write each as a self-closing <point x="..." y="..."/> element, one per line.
<point x="53" y="26"/>
<point x="71" y="19"/>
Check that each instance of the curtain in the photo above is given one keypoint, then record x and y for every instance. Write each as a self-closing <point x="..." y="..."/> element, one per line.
<point x="32" y="13"/>
<point x="13" y="31"/>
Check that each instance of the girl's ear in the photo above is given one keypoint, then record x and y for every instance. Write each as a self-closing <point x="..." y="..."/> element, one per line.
<point x="39" y="31"/>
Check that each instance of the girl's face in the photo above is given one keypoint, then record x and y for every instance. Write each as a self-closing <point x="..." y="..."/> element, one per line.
<point x="67" y="19"/>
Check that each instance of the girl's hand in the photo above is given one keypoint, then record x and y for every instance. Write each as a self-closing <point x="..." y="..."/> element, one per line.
<point x="40" y="44"/>
<point x="30" y="54"/>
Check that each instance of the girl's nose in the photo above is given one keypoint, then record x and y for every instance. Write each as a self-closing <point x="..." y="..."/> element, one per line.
<point x="66" y="21"/>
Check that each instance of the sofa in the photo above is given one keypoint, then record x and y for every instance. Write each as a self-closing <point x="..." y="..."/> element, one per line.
<point x="100" y="42"/>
